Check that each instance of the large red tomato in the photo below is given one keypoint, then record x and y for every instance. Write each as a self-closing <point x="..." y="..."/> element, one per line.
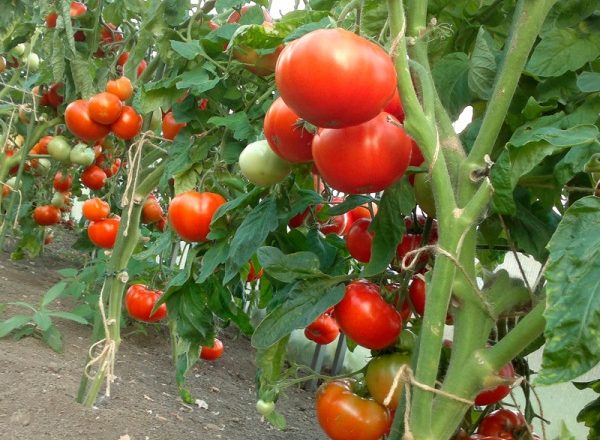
<point x="335" y="78"/>
<point x="93" y="177"/>
<point x="103" y="233"/>
<point x="46" y="215"/>
<point x="286" y="135"/>
<point x="152" y="212"/>
<point x="121" y="87"/>
<point x="344" y="415"/>
<point x="62" y="182"/>
<point x="170" y="127"/>
<point x="365" y="317"/>
<point x="359" y="240"/>
<point x="95" y="209"/>
<point x="365" y="158"/>
<point x="105" y="108"/>
<point x="128" y="125"/>
<point x="394" y="107"/>
<point x="322" y="330"/>
<point x="495" y="395"/>
<point x="139" y="301"/>
<point x="502" y="423"/>
<point x="80" y="123"/>
<point x="190" y="214"/>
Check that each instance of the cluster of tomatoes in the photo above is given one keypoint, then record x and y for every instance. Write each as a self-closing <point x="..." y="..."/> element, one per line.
<point x="501" y="424"/>
<point x="102" y="229"/>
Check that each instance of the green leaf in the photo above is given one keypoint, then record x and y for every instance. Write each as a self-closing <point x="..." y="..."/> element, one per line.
<point x="222" y="304"/>
<point x="590" y="414"/>
<point x="69" y="316"/>
<point x="557" y="137"/>
<point x="250" y="235"/>
<point x="574" y="161"/>
<point x="13" y="323"/>
<point x="216" y="255"/>
<point x="82" y="76"/>
<point x="179" y="157"/>
<point x="186" y="355"/>
<point x="68" y="272"/>
<point x="269" y="363"/>
<point x="324" y="23"/>
<point x="238" y="123"/>
<point x="291" y="267"/>
<point x="157" y="247"/>
<point x="563" y="50"/>
<point x="483" y="65"/>
<point x="53" y="293"/>
<point x="53" y="338"/>
<point x="573" y="295"/>
<point x="42" y="320"/>
<point x="242" y="201"/>
<point x="451" y="77"/>
<point x="189" y="49"/>
<point x="349" y="203"/>
<point x="306" y="301"/>
<point x="198" y="80"/>
<point x="589" y="82"/>
<point x="188" y="308"/>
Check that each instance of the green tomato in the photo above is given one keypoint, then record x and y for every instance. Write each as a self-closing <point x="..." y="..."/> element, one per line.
<point x="424" y="194"/>
<point x="82" y="155"/>
<point x="32" y="62"/>
<point x="265" y="408"/>
<point x="59" y="200"/>
<point x="13" y="181"/>
<point x="156" y="120"/>
<point x="44" y="166"/>
<point x="59" y="148"/>
<point x="381" y="372"/>
<point x="261" y="166"/>
<point x="18" y="50"/>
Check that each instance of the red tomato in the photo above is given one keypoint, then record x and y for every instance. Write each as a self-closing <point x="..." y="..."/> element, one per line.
<point x="79" y="122"/>
<point x="365" y="317"/>
<point x="286" y="135"/>
<point x="212" y="353"/>
<point x="322" y="330"/>
<point x="502" y="423"/>
<point x="151" y="211"/>
<point x="380" y="375"/>
<point x="79" y="36"/>
<point x="103" y="233"/>
<point x="48" y="238"/>
<point x="297" y="220"/>
<point x="62" y="183"/>
<point x="105" y="108"/>
<point x="51" y="20"/>
<point x="139" y="301"/>
<point x="110" y="34"/>
<point x="53" y="99"/>
<point x="190" y="214"/>
<point x="359" y="240"/>
<point x="46" y="215"/>
<point x="409" y="243"/>
<point x="334" y="78"/>
<point x="365" y="158"/>
<point x="338" y="224"/>
<point x="362" y="212"/>
<point x="93" y="177"/>
<point x="344" y="415"/>
<point x="128" y="125"/>
<point x="162" y="224"/>
<point x="170" y="127"/>
<point x="416" y="292"/>
<point x="253" y="275"/>
<point x="394" y="107"/>
<point x="121" y="87"/>
<point x="95" y="209"/>
<point x="123" y="59"/>
<point x="77" y="9"/>
<point x="141" y="67"/>
<point x="495" y="395"/>
<point x="416" y="158"/>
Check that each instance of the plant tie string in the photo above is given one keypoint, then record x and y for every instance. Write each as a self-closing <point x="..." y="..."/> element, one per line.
<point x="405" y="376"/>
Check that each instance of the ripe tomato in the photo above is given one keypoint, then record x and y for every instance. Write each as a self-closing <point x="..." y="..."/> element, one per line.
<point x="121" y="87"/>
<point x="362" y="212"/>
<point x="416" y="159"/>
<point x="110" y="34"/>
<point x="151" y="211"/>
<point x="170" y="127"/>
<point x="365" y="317"/>
<point x="105" y="108"/>
<point x="212" y="353"/>
<point x="338" y="224"/>
<point x="416" y="292"/>
<point x="79" y="36"/>
<point x="261" y="166"/>
<point x="359" y="240"/>
<point x="141" y="67"/>
<point x="502" y="423"/>
<point x="286" y="135"/>
<point x="139" y="301"/>
<point x="297" y="220"/>
<point x="161" y="225"/>
<point x="190" y="214"/>
<point x="334" y="78"/>
<point x="365" y="158"/>
<point x="103" y="233"/>
<point x="394" y="107"/>
<point x="93" y="177"/>
<point x="46" y="215"/>
<point x="128" y="125"/>
<point x="409" y="243"/>
<point x="51" y="20"/>
<point x="322" y="330"/>
<point x="62" y="182"/>
<point x="79" y="122"/>
<point x="344" y="415"/>
<point x="380" y="375"/>
<point x="95" y="209"/>
<point x="252" y="274"/>
<point x="77" y="9"/>
<point x="53" y="99"/>
<point x="495" y="395"/>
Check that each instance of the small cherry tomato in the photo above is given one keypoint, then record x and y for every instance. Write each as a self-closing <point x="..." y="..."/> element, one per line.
<point x="212" y="353"/>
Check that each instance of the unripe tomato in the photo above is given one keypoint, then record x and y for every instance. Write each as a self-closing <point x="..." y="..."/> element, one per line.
<point x="190" y="214"/>
<point x="95" y="209"/>
<point x="261" y="166"/>
<point x="265" y="408"/>
<point x="105" y="108"/>
<point x="103" y="233"/>
<point x="212" y="353"/>
<point x="79" y="122"/>
<point x="151" y="211"/>
<point x="61" y="200"/>
<point x="380" y="375"/>
<point x="46" y="215"/>
<point x="32" y="62"/>
<point x="93" y="177"/>
<point x="424" y="194"/>
<point x="139" y="301"/>
<point x="82" y="155"/>
<point x="128" y="125"/>
<point x="170" y="127"/>
<point x="59" y="148"/>
<point x="121" y="87"/>
<point x="359" y="240"/>
<point x="322" y="330"/>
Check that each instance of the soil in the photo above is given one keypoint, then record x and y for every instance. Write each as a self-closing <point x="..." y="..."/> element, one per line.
<point x="38" y="386"/>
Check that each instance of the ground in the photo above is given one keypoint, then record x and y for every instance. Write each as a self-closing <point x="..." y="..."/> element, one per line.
<point x="37" y="395"/>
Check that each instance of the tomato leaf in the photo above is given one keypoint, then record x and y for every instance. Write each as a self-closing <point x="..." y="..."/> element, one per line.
<point x="291" y="267"/>
<point x="483" y="65"/>
<point x="451" y="77"/>
<point x="216" y="255"/>
<point x="238" y="123"/>
<point x="590" y="414"/>
<point x="349" y="203"/>
<point x="573" y="295"/>
<point x="198" y="80"/>
<point x="222" y="304"/>
<point x="188" y="307"/>
<point x="589" y="82"/>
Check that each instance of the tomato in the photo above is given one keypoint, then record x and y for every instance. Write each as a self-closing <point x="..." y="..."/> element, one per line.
<point x="344" y="415"/>
<point x="365" y="158"/>
<point x="103" y="233"/>
<point x="110" y="34"/>
<point x="260" y="65"/>
<point x="424" y="194"/>
<point x="338" y="224"/>
<point x="95" y="209"/>
<point x="334" y="78"/>
<point x="121" y="87"/>
<point x="416" y="292"/>
<point x="409" y="243"/>
<point x="61" y="200"/>
<point x="59" y="148"/>
<point x="394" y="107"/>
<point x="416" y="159"/>
<point x="46" y="215"/>
<point x="93" y="177"/>
<point x="52" y="97"/>
<point x="212" y="353"/>
<point x="79" y="122"/>
<point x="362" y="212"/>
<point x="203" y="104"/>
<point x="286" y="135"/>
<point x="105" y="108"/>
<point x="502" y="423"/>
<point x="495" y="395"/>
<point x="32" y="62"/>
<point x="48" y="237"/>
<point x="114" y="168"/>
<point x="51" y="20"/>
<point x="170" y="127"/>
<point x="322" y="330"/>
<point x="128" y="125"/>
<point x="253" y="275"/>
<point x="77" y="9"/>
<point x="261" y="166"/>
<point x="2" y="64"/>
<point x="161" y="225"/>
<point x="365" y="317"/>
<point x="79" y="36"/>
<point x="359" y="240"/>
<point x="151" y="211"/>
<point x="82" y="155"/>
<point x="190" y="214"/>
<point x="141" y="67"/>
<point x="265" y="408"/>
<point x="297" y="220"/>
<point x="139" y="301"/>
<point x="380" y="375"/>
